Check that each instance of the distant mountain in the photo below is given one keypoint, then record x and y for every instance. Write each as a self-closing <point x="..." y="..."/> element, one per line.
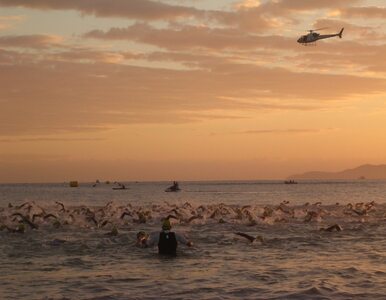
<point x="361" y="172"/>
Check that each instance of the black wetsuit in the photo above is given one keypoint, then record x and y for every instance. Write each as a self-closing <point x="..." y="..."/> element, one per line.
<point x="167" y="243"/>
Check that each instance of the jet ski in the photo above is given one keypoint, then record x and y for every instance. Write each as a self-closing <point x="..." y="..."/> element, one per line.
<point x="174" y="188"/>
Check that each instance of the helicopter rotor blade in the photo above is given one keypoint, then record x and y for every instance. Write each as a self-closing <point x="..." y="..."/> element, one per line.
<point x="318" y="29"/>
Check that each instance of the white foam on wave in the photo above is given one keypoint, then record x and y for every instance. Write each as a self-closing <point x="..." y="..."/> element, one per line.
<point x="31" y="215"/>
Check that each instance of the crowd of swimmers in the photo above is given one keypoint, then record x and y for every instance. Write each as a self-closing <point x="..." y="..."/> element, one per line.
<point x="29" y="215"/>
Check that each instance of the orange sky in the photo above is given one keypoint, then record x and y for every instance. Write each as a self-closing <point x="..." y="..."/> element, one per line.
<point x="188" y="90"/>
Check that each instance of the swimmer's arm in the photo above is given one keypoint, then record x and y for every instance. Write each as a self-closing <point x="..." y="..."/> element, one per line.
<point x="152" y="240"/>
<point x="141" y="243"/>
<point x="183" y="240"/>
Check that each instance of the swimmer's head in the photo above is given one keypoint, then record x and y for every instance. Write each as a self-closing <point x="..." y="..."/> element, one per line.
<point x="166" y="225"/>
<point x="20" y="228"/>
<point x="141" y="235"/>
<point x="56" y="224"/>
<point x="114" y="231"/>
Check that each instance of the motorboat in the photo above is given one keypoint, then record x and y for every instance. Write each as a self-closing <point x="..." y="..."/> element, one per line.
<point x="120" y="186"/>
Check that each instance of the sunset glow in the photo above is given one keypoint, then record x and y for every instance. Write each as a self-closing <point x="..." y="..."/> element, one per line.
<point x="189" y="90"/>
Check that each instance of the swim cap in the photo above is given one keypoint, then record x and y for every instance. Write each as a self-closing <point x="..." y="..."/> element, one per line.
<point x="166" y="225"/>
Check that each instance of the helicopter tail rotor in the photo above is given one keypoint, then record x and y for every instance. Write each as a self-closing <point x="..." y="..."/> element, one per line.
<point x="340" y="33"/>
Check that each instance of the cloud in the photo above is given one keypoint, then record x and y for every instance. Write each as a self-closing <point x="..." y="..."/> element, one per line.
<point x="7" y="22"/>
<point x="247" y="4"/>
<point x="274" y="14"/>
<point x="350" y="56"/>
<point x="135" y="9"/>
<point x="191" y="37"/>
<point x="250" y="15"/>
<point x="286" y="131"/>
<point x="353" y="30"/>
<point x="48" y="139"/>
<point x="30" y="41"/>
<point x="52" y="97"/>
<point x="11" y="57"/>
<point x="147" y="10"/>
<point x="373" y="12"/>
<point x="311" y="5"/>
<point x="11" y="18"/>
<point x="339" y="56"/>
<point x="82" y="54"/>
<point x="28" y="157"/>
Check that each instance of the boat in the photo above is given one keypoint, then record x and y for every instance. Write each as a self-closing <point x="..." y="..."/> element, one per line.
<point x="290" y="182"/>
<point x="174" y="188"/>
<point x="120" y="188"/>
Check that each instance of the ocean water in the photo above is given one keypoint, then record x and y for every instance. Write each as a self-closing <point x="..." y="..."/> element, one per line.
<point x="66" y="251"/>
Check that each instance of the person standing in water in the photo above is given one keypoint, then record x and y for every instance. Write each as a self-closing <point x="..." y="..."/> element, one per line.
<point x="167" y="240"/>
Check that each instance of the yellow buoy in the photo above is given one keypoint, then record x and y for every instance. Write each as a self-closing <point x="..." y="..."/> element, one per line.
<point x="74" y="184"/>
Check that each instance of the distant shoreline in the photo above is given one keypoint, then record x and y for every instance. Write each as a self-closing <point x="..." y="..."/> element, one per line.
<point x="363" y="172"/>
<point x="219" y="182"/>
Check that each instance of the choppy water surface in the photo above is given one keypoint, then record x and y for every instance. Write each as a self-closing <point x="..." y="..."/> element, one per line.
<point x="70" y="255"/>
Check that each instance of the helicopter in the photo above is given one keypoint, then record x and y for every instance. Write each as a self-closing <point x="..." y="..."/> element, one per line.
<point x="314" y="36"/>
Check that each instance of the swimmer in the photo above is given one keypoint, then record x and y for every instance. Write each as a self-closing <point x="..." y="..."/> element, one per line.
<point x="25" y="220"/>
<point x="126" y="213"/>
<point x="113" y="232"/>
<point x="56" y="242"/>
<point x="249" y="237"/>
<point x="331" y="228"/>
<point x="62" y="206"/>
<point x="18" y="229"/>
<point x="194" y="218"/>
<point x="142" y="237"/>
<point x="166" y="240"/>
<point x="311" y="215"/>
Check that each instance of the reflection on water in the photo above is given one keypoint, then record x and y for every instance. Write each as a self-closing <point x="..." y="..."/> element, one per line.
<point x="294" y="259"/>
